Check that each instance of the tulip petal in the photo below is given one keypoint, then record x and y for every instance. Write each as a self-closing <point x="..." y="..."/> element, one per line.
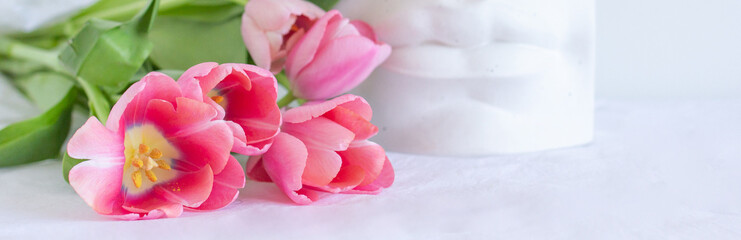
<point x="255" y="170"/>
<point x="304" y="50"/>
<point x="348" y="178"/>
<point x="240" y="146"/>
<point x="189" y="80"/>
<point x="190" y="189"/>
<point x="357" y="105"/>
<point x="226" y="186"/>
<point x="321" y="132"/>
<point x="365" y="30"/>
<point x="367" y="155"/>
<point x="285" y="163"/>
<point x="99" y="184"/>
<point x="340" y="66"/>
<point x="200" y="79"/>
<point x="130" y="108"/>
<point x="115" y="116"/>
<point x="207" y="144"/>
<point x="362" y="128"/>
<point x="315" y="109"/>
<point x="256" y="41"/>
<point x="171" y="210"/>
<point x="190" y="114"/>
<point x="94" y="141"/>
<point x="253" y="107"/>
<point x="322" y="165"/>
<point x="269" y="15"/>
<point x="166" y="210"/>
<point x="384" y="180"/>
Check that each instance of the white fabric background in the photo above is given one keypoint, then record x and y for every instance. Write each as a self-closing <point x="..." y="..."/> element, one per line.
<point x="657" y="169"/>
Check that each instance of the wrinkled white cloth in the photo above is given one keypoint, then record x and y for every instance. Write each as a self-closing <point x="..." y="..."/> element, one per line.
<point x="27" y="15"/>
<point x="657" y="169"/>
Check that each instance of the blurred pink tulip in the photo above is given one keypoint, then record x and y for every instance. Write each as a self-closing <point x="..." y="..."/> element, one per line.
<point x="270" y="28"/>
<point x="324" y="148"/>
<point x="334" y="56"/>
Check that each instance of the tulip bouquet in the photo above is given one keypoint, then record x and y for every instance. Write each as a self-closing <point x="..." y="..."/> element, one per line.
<point x="154" y="146"/>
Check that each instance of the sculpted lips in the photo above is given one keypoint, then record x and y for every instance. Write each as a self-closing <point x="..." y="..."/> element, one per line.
<point x="472" y="39"/>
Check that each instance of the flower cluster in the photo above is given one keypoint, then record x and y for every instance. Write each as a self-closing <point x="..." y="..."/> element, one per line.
<point x="167" y="145"/>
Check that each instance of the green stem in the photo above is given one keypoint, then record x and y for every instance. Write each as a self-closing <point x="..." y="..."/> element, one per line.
<point x="287" y="99"/>
<point x="283" y="80"/>
<point x="18" y="50"/>
<point x="99" y="105"/>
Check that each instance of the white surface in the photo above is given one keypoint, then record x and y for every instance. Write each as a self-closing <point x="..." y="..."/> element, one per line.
<point x="656" y="170"/>
<point x="668" y="49"/>
<point x="470" y="78"/>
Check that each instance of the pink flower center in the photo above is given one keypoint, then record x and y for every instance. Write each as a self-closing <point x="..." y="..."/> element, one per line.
<point x="145" y="161"/>
<point x="217" y="97"/>
<point x="148" y="155"/>
<point x="302" y="23"/>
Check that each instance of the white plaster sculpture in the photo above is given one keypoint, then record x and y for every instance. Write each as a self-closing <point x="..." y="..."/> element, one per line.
<point x="477" y="77"/>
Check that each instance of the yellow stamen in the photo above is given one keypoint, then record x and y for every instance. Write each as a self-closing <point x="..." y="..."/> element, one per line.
<point x="156" y="153"/>
<point x="136" y="177"/>
<point x="151" y="176"/>
<point x="217" y="99"/>
<point x="294" y="28"/>
<point x="137" y="163"/>
<point x="150" y="164"/>
<point x="143" y="148"/>
<point x="162" y="164"/>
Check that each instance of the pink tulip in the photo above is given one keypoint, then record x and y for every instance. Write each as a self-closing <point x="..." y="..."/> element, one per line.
<point x="323" y="148"/>
<point x="333" y="57"/>
<point x="270" y="28"/>
<point x="158" y="153"/>
<point x="243" y="95"/>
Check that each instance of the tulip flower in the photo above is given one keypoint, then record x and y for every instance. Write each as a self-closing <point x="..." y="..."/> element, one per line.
<point x="324" y="148"/>
<point x="158" y="153"/>
<point x="270" y="28"/>
<point x="334" y="56"/>
<point x="243" y="95"/>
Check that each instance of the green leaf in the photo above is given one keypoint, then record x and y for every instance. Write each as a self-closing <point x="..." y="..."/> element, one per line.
<point x="122" y="10"/>
<point x="98" y="101"/>
<point x="240" y="2"/>
<point x="206" y="11"/>
<point x="41" y="137"/>
<point x="181" y="43"/>
<point x="116" y="10"/>
<point x="42" y="88"/>
<point x="109" y="53"/>
<point x="325" y="4"/>
<point x="67" y="164"/>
